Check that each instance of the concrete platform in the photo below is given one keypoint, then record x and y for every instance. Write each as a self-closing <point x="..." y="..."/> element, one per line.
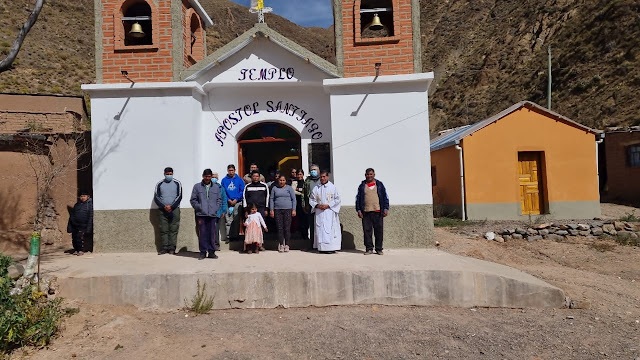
<point x="298" y="279"/>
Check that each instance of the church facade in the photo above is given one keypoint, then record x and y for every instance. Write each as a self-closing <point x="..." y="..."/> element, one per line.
<point x="160" y="101"/>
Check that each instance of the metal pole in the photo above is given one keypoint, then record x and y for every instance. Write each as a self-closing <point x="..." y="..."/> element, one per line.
<point x="549" y="87"/>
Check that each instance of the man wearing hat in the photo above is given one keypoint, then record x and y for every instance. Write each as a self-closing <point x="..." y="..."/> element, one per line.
<point x="167" y="196"/>
<point x="80" y="224"/>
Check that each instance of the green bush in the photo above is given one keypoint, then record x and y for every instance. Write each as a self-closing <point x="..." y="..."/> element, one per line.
<point x="201" y="303"/>
<point x="26" y="319"/>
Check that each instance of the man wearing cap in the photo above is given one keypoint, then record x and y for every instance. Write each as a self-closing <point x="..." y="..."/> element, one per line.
<point x="168" y="195"/>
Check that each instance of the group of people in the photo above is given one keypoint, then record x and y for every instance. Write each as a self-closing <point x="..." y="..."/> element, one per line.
<point x="234" y="208"/>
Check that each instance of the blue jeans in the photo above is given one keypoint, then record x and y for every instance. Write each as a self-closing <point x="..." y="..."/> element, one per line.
<point x="207" y="228"/>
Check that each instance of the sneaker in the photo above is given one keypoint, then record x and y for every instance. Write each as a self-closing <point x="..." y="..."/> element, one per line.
<point x="280" y="248"/>
<point x="379" y="252"/>
<point x="74" y="253"/>
<point x="261" y="248"/>
<point x="212" y="255"/>
<point x="286" y="248"/>
<point x="80" y="253"/>
<point x="162" y="252"/>
<point x="202" y="256"/>
<point x="368" y="252"/>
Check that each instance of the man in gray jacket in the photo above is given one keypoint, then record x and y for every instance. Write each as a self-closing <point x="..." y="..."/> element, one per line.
<point x="206" y="199"/>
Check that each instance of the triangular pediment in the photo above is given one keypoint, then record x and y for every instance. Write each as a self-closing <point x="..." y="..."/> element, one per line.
<point x="261" y="55"/>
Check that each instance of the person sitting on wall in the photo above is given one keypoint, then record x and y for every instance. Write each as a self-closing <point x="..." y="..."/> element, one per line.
<point x="206" y="199"/>
<point x="167" y="196"/>
<point x="234" y="188"/>
<point x="80" y="225"/>
<point x="253" y="167"/>
<point x="372" y="205"/>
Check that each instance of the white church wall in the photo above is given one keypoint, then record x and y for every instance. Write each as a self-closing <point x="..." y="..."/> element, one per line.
<point x="135" y="135"/>
<point x="383" y="125"/>
<point x="231" y="110"/>
<point x="262" y="62"/>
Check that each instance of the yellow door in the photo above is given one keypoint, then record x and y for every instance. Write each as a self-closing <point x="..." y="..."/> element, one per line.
<point x="530" y="178"/>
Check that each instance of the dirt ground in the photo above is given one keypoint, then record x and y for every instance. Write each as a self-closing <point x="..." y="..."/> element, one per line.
<point x="606" y="285"/>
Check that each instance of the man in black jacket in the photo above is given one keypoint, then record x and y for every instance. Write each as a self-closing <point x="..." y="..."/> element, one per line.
<point x="167" y="196"/>
<point x="257" y="192"/>
<point x="372" y="205"/>
<point x="80" y="225"/>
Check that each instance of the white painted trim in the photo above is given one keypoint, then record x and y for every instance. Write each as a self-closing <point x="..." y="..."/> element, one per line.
<point x="143" y="86"/>
<point x="383" y="79"/>
<point x="203" y="14"/>
<point x="257" y="84"/>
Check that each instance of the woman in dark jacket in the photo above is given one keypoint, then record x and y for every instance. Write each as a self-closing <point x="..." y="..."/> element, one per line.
<point x="80" y="225"/>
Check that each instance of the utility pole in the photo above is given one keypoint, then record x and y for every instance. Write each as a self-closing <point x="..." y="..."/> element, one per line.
<point x="549" y="87"/>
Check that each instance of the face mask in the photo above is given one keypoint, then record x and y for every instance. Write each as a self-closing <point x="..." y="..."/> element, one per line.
<point x="169" y="178"/>
<point x="215" y="180"/>
<point x="314" y="173"/>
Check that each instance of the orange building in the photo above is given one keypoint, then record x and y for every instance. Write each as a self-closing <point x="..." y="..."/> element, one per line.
<point x="525" y="161"/>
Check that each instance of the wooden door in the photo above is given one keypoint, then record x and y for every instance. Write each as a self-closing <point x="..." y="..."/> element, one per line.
<point x="530" y="178"/>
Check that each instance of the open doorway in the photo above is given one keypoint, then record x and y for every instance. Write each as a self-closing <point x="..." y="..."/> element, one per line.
<point x="271" y="146"/>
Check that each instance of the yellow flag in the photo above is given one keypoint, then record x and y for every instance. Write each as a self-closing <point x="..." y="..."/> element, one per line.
<point x="257" y="5"/>
<point x="260" y="4"/>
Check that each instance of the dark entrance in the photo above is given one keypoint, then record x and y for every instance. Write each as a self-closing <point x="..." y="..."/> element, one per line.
<point x="272" y="146"/>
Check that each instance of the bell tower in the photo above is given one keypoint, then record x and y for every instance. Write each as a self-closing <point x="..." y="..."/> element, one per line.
<point x="384" y="32"/>
<point x="148" y="40"/>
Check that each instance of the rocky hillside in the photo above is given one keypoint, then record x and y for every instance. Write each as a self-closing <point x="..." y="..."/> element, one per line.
<point x="485" y="53"/>
<point x="486" y="57"/>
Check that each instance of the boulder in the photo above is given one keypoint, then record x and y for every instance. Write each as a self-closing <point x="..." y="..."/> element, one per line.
<point x="573" y="232"/>
<point x="630" y="225"/>
<point x="521" y="231"/>
<point x="572" y="226"/>
<point x="556" y="238"/>
<point x="490" y="235"/>
<point x="563" y="227"/>
<point x="542" y="226"/>
<point x="634" y="236"/>
<point x="517" y="236"/>
<point x="507" y="231"/>
<point x="15" y="271"/>
<point x="630" y="228"/>
<point x="583" y="227"/>
<point x="585" y="233"/>
<point x="609" y="229"/>
<point x="499" y="239"/>
<point x="532" y="231"/>
<point x="507" y="237"/>
<point x="562" y="232"/>
<point x="544" y="232"/>
<point x="597" y="231"/>
<point x="534" y="238"/>
<point x="624" y="234"/>
<point x="618" y="225"/>
<point x="596" y="224"/>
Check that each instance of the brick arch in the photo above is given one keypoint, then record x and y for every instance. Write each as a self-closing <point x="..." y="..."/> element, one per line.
<point x="199" y="51"/>
<point x="118" y="29"/>
<point x="358" y="39"/>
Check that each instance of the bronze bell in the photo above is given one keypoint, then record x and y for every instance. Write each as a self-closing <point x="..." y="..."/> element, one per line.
<point x="376" y="24"/>
<point x="136" y="31"/>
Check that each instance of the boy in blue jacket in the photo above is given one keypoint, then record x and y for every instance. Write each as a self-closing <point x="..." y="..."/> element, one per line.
<point x="234" y="188"/>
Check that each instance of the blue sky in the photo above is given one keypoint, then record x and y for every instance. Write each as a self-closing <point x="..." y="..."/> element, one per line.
<point x="301" y="12"/>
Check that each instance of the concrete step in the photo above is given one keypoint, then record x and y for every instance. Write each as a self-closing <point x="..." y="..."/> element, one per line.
<point x="298" y="279"/>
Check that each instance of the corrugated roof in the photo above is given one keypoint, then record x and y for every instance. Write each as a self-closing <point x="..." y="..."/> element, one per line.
<point x="450" y="139"/>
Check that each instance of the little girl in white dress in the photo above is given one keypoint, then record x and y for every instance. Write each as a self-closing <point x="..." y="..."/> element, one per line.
<point x="253" y="231"/>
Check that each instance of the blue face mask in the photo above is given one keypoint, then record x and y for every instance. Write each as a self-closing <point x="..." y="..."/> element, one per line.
<point x="215" y="180"/>
<point x="169" y="178"/>
<point x="314" y="173"/>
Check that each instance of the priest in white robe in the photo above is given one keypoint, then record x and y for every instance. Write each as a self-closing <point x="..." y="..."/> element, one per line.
<point x="325" y="203"/>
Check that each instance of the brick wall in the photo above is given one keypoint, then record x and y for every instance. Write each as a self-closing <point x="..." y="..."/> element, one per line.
<point x="395" y="52"/>
<point x="622" y="180"/>
<point x="145" y="63"/>
<point x="195" y="53"/>
<point x="13" y="121"/>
